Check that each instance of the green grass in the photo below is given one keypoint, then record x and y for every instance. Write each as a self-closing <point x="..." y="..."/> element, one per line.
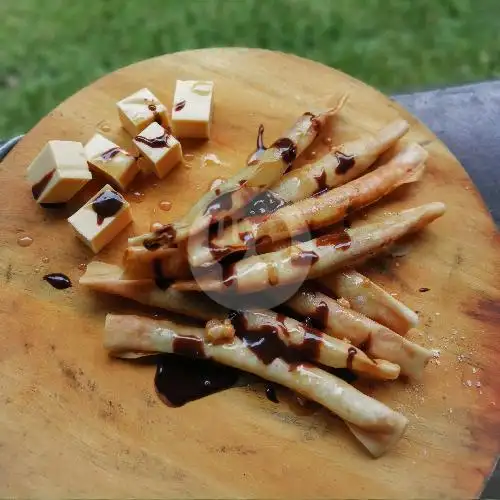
<point x="51" y="48"/>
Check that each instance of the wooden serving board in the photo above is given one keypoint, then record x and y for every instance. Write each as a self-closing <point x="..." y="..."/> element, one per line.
<point x="76" y="424"/>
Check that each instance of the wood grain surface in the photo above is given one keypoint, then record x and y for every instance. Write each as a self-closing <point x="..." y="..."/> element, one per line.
<point x="77" y="424"/>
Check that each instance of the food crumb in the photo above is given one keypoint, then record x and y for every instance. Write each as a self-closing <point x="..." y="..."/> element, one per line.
<point x="219" y="331"/>
<point x="344" y="302"/>
<point x="423" y="289"/>
<point x="474" y="370"/>
<point x="468" y="383"/>
<point x="436" y="353"/>
<point x="438" y="314"/>
<point x="478" y="384"/>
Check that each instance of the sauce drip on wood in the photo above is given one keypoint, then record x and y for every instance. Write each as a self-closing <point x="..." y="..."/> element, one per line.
<point x="107" y="204"/>
<point x="179" y="380"/>
<point x="58" y="280"/>
<point x="271" y="393"/>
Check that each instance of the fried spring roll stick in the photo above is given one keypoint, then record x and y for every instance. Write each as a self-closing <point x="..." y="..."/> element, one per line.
<point x="315" y="345"/>
<point x="343" y="164"/>
<point x="377" y="340"/>
<point x="368" y="298"/>
<point x="238" y="190"/>
<point x="317" y="257"/>
<point x="377" y="426"/>
<point x="108" y="278"/>
<point x="166" y="262"/>
<point x="327" y="350"/>
<point x="313" y="213"/>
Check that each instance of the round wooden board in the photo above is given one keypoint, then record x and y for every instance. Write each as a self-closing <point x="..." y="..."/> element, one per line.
<point x="76" y="424"/>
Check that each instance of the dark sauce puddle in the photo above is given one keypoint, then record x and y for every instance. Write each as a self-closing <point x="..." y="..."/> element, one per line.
<point x="187" y="375"/>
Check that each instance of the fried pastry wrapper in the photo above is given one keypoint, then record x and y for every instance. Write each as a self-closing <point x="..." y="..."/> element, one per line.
<point x="375" y="425"/>
<point x="238" y="190"/>
<point x="375" y="339"/>
<point x="318" y="346"/>
<point x="313" y="213"/>
<point x="166" y="262"/>
<point x="109" y="278"/>
<point x="367" y="298"/>
<point x="332" y="168"/>
<point x="317" y="257"/>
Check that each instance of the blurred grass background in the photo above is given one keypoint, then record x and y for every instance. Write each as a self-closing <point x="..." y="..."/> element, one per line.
<point x="51" y="48"/>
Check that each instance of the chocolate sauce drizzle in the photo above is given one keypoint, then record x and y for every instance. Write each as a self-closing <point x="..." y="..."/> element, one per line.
<point x="155" y="142"/>
<point x="187" y="375"/>
<point x="180" y="105"/>
<point x="160" y="280"/>
<point x="255" y="156"/>
<point x="345" y="163"/>
<point x="156" y="116"/>
<point x="322" y="185"/>
<point x="38" y="188"/>
<point x="314" y="121"/>
<point x="287" y="149"/>
<point x="110" y="153"/>
<point x="263" y="204"/>
<point x="222" y="202"/>
<point x="351" y="353"/>
<point x="214" y="230"/>
<point x="165" y="235"/>
<point x="319" y="317"/>
<point x="107" y="204"/>
<point x="229" y="276"/>
<point x="58" y="280"/>
<point x="341" y="240"/>
<point x="304" y="258"/>
<point x="267" y="345"/>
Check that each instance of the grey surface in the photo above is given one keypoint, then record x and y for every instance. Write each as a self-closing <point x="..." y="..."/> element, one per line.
<point x="467" y="120"/>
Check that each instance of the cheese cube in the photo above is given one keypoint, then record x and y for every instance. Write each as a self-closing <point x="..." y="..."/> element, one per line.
<point x="58" y="172"/>
<point x="101" y="218"/>
<point x="161" y="150"/>
<point x="192" y="109"/>
<point x="138" y="110"/>
<point x="117" y="165"/>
